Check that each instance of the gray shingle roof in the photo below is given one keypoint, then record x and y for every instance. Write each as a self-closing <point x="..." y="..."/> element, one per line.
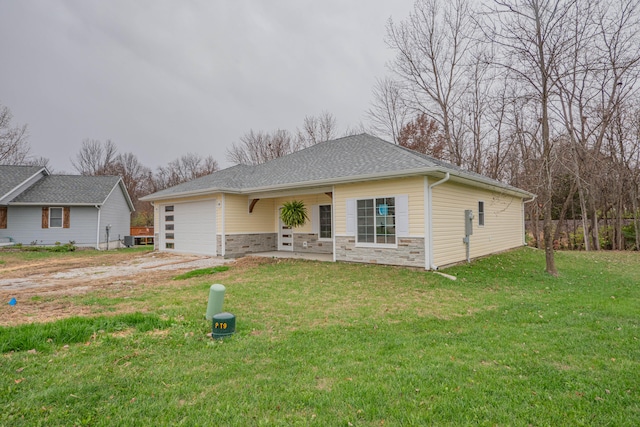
<point x="13" y="176"/>
<point x="345" y="159"/>
<point x="69" y="190"/>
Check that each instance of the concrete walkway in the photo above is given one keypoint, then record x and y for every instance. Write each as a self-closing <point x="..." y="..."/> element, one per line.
<point x="295" y="255"/>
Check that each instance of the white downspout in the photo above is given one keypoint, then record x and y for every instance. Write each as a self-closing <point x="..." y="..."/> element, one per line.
<point x="333" y="224"/>
<point x="223" y="237"/>
<point x="524" y="223"/>
<point x="442" y="181"/>
<point x="98" y="229"/>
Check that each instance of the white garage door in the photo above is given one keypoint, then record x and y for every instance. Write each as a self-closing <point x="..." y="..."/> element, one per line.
<point x="195" y="227"/>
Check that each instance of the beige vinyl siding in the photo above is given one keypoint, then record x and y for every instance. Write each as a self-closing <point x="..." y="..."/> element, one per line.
<point x="309" y="200"/>
<point x="413" y="187"/>
<point x="502" y="229"/>
<point x="238" y="220"/>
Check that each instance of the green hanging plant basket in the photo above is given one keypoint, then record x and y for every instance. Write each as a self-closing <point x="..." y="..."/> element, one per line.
<point x="294" y="213"/>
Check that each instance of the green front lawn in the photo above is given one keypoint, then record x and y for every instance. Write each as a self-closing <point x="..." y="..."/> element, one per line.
<point x="341" y="344"/>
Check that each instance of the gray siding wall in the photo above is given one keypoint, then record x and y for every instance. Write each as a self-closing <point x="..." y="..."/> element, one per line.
<point x="115" y="211"/>
<point x="24" y="225"/>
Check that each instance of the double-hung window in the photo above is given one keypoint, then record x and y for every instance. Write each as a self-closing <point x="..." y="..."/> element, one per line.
<point x="376" y="219"/>
<point x="481" y="213"/>
<point x="55" y="217"/>
<point x="325" y="221"/>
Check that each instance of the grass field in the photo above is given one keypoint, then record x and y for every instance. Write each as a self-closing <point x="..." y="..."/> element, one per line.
<point x="346" y="345"/>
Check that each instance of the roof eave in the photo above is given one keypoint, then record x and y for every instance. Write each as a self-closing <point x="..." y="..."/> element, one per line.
<point x="396" y="174"/>
<point x="340" y="180"/>
<point x="54" y="204"/>
<point x="343" y="180"/>
<point x="192" y="193"/>
<point x="487" y="182"/>
<point x="42" y="169"/>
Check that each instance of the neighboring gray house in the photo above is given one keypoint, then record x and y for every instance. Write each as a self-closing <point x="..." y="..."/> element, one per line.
<point x="37" y="207"/>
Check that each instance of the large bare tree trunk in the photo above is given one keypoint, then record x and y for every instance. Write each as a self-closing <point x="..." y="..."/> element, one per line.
<point x="636" y="217"/>
<point x="595" y="224"/>
<point x="584" y="214"/>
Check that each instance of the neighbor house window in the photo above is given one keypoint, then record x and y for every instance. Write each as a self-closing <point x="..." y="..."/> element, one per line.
<point x="376" y="220"/>
<point x="325" y="221"/>
<point x="55" y="217"/>
<point x="481" y="213"/>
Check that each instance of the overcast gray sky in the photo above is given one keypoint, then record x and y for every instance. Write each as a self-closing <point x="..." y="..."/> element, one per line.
<point x="162" y="78"/>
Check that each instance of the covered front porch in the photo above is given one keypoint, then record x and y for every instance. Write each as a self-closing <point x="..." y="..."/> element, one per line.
<point x="252" y="225"/>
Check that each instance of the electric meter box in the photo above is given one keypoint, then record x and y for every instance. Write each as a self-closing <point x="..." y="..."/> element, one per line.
<point x="468" y="222"/>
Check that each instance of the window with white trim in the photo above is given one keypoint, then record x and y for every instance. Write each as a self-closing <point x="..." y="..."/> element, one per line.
<point x="55" y="217"/>
<point x="376" y="219"/>
<point x="481" y="213"/>
<point x="325" y="221"/>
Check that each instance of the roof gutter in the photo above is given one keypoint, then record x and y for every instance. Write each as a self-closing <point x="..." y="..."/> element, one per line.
<point x="430" y="263"/>
<point x="46" y="203"/>
<point x="98" y="228"/>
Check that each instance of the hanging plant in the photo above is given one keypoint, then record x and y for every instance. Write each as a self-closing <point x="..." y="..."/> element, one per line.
<point x="294" y="213"/>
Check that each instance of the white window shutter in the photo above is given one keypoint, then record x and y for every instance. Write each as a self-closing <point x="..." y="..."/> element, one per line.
<point x="402" y="215"/>
<point x="351" y="217"/>
<point x="315" y="219"/>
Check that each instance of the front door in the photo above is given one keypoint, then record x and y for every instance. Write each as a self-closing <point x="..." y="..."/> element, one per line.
<point x="285" y="235"/>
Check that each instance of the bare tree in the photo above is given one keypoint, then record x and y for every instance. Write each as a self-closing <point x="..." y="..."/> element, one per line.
<point x="533" y="35"/>
<point x="475" y="107"/>
<point x="356" y="129"/>
<point x="501" y="163"/>
<point x="432" y="46"/>
<point x="316" y="129"/>
<point x="14" y="145"/>
<point x="260" y="147"/>
<point x="183" y="169"/>
<point x="95" y="157"/>
<point x="389" y="111"/>
<point x="39" y="161"/>
<point x="596" y="79"/>
<point x="133" y="173"/>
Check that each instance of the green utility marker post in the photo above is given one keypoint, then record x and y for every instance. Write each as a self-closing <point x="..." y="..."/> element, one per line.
<point x="216" y="299"/>
<point x="224" y="325"/>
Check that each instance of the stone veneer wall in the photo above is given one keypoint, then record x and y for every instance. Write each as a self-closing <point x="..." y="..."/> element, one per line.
<point x="313" y="244"/>
<point x="238" y="245"/>
<point x="410" y="252"/>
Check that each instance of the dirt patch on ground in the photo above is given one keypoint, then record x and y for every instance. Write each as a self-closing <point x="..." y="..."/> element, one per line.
<point x="39" y="285"/>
